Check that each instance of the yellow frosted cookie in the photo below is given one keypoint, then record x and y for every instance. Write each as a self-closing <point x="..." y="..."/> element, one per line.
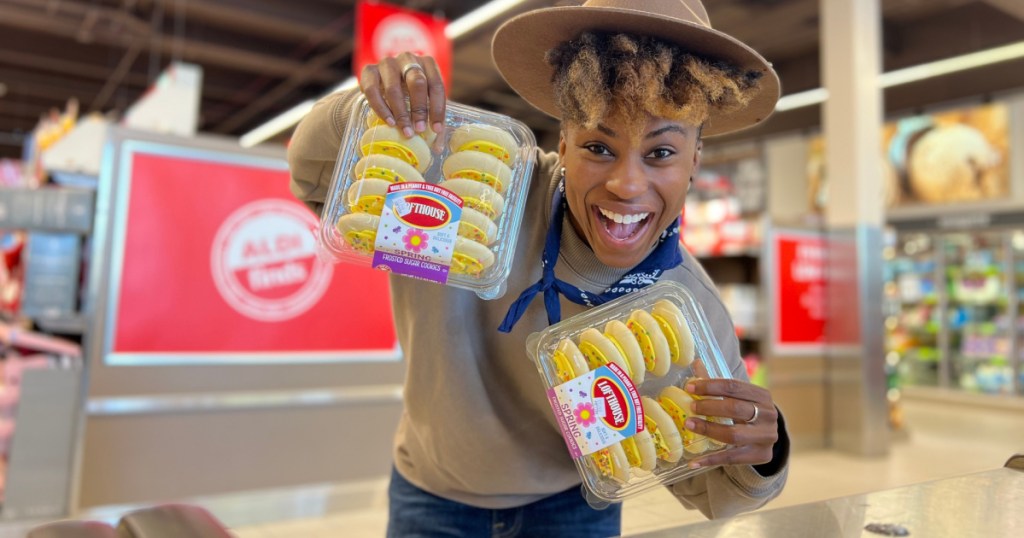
<point x="478" y="196"/>
<point x="676" y="402"/>
<point x="476" y="226"/>
<point x="712" y="443"/>
<point x="640" y="451"/>
<point x="569" y="362"/>
<point x="390" y="169"/>
<point x="359" y="230"/>
<point x="367" y="196"/>
<point x="599" y="351"/>
<point x="470" y="258"/>
<point x="373" y="120"/>
<point x="384" y="140"/>
<point x="652" y="342"/>
<point x="620" y="335"/>
<point x="429" y="136"/>
<point x="677" y="332"/>
<point x="484" y="139"/>
<point x="612" y="463"/>
<point x="668" y="442"/>
<point x="478" y="166"/>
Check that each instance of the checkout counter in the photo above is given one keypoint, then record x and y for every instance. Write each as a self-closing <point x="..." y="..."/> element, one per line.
<point x="989" y="504"/>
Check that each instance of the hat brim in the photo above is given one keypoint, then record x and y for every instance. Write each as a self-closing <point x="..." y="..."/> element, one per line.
<point x="520" y="44"/>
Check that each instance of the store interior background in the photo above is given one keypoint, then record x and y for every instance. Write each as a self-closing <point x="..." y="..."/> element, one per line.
<point x="91" y="430"/>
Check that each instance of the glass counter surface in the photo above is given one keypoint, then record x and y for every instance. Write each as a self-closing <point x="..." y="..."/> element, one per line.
<point x="981" y="504"/>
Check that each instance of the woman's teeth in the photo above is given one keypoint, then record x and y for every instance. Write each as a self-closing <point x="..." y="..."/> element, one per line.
<point x="623" y="219"/>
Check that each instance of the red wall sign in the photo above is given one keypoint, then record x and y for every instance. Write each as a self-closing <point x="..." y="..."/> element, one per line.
<point x="219" y="258"/>
<point x="383" y="31"/>
<point x="799" y="264"/>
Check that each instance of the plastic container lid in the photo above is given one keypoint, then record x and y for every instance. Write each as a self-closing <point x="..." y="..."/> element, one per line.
<point x="451" y="218"/>
<point x="614" y="377"/>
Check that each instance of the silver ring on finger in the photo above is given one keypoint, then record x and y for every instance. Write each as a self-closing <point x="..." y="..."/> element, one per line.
<point x="753" y="419"/>
<point x="409" y="67"/>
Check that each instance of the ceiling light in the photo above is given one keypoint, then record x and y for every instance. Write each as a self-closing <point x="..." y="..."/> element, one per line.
<point x="454" y="30"/>
<point x="349" y="84"/>
<point x="3" y="89"/>
<point x="801" y="99"/>
<point x="283" y="121"/>
<point x="952" y="65"/>
<point x="915" y="73"/>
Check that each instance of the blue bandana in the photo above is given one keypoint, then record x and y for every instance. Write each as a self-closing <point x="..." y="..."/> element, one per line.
<point x="665" y="256"/>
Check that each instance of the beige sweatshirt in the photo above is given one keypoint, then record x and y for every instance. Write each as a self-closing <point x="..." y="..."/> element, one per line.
<point x="477" y="426"/>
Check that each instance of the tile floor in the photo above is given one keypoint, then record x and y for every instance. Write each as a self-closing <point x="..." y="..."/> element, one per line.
<point x="944" y="440"/>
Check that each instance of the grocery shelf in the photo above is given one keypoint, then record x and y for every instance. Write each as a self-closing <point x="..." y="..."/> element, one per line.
<point x="953" y="322"/>
<point x="747" y="253"/>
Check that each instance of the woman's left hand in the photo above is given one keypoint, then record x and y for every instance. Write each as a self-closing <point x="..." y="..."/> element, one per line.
<point x="751" y="435"/>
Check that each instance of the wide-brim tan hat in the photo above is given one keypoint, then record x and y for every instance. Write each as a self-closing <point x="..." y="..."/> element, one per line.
<point x="521" y="43"/>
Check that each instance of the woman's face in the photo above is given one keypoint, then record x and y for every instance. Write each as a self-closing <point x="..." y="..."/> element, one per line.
<point x="626" y="185"/>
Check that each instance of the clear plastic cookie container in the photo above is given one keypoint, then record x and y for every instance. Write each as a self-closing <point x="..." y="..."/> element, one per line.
<point x="614" y="377"/>
<point x="451" y="218"/>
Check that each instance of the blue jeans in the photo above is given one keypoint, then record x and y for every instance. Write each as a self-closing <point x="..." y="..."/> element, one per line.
<point x="414" y="513"/>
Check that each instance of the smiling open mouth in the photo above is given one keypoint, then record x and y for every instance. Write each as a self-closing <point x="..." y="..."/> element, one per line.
<point x="622" y="227"/>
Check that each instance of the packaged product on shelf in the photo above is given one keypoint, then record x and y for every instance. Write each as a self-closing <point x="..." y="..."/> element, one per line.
<point x="743" y="303"/>
<point x="615" y="376"/>
<point x="451" y="218"/>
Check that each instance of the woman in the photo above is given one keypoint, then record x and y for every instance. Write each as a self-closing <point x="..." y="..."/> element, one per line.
<point x="477" y="451"/>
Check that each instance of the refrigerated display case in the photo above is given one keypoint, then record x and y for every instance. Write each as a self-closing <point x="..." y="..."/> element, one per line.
<point x="911" y="306"/>
<point x="981" y="313"/>
<point x="953" y="310"/>
<point x="1017" y="252"/>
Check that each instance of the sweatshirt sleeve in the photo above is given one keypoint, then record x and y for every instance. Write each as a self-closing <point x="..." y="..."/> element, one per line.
<point x="313" y="151"/>
<point x="731" y="489"/>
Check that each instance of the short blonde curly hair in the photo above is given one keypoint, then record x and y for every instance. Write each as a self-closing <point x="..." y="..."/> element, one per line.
<point x="600" y="75"/>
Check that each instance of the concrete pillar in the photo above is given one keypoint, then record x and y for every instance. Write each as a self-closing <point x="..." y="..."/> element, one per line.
<point x="852" y="118"/>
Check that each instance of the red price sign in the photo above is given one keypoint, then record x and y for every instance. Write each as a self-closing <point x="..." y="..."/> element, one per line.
<point x="216" y="258"/>
<point x="799" y="264"/>
<point x="384" y="31"/>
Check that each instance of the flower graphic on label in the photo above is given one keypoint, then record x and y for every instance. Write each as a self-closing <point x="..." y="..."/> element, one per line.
<point x="415" y="240"/>
<point x="585" y="414"/>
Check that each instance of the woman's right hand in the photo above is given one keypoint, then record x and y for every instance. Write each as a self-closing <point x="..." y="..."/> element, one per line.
<point x="386" y="90"/>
